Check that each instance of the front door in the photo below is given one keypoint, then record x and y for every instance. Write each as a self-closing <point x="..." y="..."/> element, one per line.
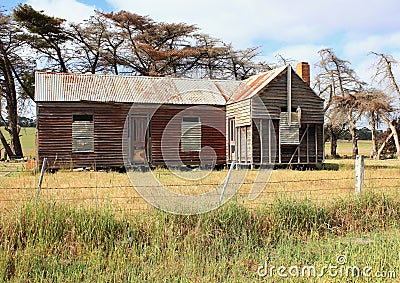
<point x="138" y="136"/>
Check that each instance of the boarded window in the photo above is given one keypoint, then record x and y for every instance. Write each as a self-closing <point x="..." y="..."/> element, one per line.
<point x="191" y="134"/>
<point x="82" y="133"/>
<point x="289" y="133"/>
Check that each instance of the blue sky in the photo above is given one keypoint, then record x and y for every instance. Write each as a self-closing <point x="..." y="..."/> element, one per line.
<point x="295" y="29"/>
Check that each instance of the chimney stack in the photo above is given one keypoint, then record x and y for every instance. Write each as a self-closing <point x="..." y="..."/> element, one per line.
<point x="303" y="70"/>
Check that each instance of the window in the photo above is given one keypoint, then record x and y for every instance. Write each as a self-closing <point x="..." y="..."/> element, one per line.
<point x="82" y="133"/>
<point x="289" y="133"/>
<point x="232" y="129"/>
<point x="232" y="138"/>
<point x="191" y="134"/>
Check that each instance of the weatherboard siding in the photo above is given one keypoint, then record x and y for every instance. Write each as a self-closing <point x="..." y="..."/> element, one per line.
<point x="269" y="104"/>
<point x="55" y="133"/>
<point x="274" y="97"/>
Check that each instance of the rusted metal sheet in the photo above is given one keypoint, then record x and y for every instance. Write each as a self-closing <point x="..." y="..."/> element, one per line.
<point x="140" y="89"/>
<point x="64" y="87"/>
<point x="253" y="85"/>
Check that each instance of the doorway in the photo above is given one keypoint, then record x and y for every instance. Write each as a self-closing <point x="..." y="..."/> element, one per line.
<point x="139" y="139"/>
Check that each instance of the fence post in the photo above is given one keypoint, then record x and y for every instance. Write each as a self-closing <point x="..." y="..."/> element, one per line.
<point x="226" y="181"/>
<point x="359" y="181"/>
<point x="41" y="177"/>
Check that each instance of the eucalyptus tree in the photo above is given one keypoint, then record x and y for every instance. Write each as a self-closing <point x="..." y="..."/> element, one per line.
<point x="46" y="35"/>
<point x="339" y="85"/>
<point x="90" y="44"/>
<point x="242" y="63"/>
<point x="151" y="48"/>
<point x="384" y="72"/>
<point x="378" y="107"/>
<point x="210" y="61"/>
<point x="16" y="81"/>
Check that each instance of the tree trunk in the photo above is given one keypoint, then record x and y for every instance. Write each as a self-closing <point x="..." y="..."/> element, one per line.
<point x="395" y="134"/>
<point x="372" y="123"/>
<point x="354" y="140"/>
<point x="5" y="144"/>
<point x="14" y="133"/>
<point x="396" y="139"/>
<point x="333" y="140"/>
<point x="12" y="104"/>
<point x="334" y="146"/>
<point x="63" y="66"/>
<point x="378" y="154"/>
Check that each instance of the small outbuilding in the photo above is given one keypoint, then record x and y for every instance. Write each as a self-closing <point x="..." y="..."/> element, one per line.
<point x="87" y="120"/>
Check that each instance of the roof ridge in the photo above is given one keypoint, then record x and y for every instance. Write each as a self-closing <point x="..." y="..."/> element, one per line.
<point x="134" y="76"/>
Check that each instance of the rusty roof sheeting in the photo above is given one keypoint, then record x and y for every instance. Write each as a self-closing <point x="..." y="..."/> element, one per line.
<point x="70" y="87"/>
<point x="251" y="86"/>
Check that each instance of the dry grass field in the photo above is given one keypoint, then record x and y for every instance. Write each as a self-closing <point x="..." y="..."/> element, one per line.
<point x="83" y="230"/>
<point x="94" y="189"/>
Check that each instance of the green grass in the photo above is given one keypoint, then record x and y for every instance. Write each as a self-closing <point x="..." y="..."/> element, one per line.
<point x="43" y="242"/>
<point x="28" y="141"/>
<point x="27" y="136"/>
<point x="345" y="148"/>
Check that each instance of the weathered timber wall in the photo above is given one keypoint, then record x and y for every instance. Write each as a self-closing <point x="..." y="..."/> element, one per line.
<point x="55" y="133"/>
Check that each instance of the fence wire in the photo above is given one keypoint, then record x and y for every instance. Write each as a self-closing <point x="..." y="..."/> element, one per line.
<point x="125" y="198"/>
<point x="121" y="196"/>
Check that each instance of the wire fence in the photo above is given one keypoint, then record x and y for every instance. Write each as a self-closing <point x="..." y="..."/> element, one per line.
<point x="114" y="190"/>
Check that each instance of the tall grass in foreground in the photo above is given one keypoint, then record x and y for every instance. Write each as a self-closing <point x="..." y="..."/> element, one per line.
<point x="55" y="243"/>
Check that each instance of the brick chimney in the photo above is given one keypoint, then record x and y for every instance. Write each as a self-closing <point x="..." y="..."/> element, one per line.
<point x="303" y="70"/>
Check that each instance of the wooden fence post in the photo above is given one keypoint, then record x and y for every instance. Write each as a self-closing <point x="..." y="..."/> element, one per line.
<point x="233" y="164"/>
<point x="41" y="177"/>
<point x="359" y="180"/>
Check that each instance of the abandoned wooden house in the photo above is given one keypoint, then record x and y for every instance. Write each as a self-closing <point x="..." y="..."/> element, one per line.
<point x="87" y="120"/>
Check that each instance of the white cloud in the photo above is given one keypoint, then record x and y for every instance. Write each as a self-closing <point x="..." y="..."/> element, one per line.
<point x="292" y="21"/>
<point x="304" y="53"/>
<point x="352" y="28"/>
<point x="357" y="49"/>
<point x="365" y="69"/>
<point x="70" y="10"/>
<point x="359" y="46"/>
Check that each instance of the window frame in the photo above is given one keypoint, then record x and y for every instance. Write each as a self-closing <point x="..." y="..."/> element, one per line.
<point x="192" y="141"/>
<point x="82" y="129"/>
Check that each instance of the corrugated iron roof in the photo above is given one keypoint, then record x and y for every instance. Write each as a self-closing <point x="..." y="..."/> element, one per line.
<point x="139" y="89"/>
<point x="251" y="86"/>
